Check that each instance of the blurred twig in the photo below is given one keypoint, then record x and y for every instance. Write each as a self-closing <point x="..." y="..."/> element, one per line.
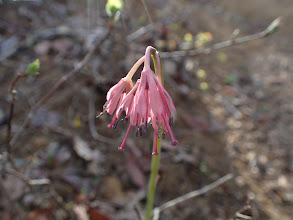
<point x="29" y="182"/>
<point x="138" y="212"/>
<point x="147" y="11"/>
<point x="190" y="195"/>
<point x="60" y="202"/>
<point x="60" y="82"/>
<point x="11" y="109"/>
<point x="91" y="121"/>
<point x="233" y="41"/>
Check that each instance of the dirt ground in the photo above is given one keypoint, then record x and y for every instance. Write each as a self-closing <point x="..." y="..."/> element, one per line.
<point x="241" y="124"/>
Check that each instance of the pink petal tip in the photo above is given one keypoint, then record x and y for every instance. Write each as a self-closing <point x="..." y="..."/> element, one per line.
<point x="121" y="149"/>
<point x="155" y="153"/>
<point x="174" y="143"/>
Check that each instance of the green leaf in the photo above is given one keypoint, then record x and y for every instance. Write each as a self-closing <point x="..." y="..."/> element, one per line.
<point x="32" y="68"/>
<point x="113" y="7"/>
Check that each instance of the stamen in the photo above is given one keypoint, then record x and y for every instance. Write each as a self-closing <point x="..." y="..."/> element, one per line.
<point x="111" y="125"/>
<point x="163" y="135"/>
<point x="136" y="130"/>
<point x="121" y="148"/>
<point x="174" y="142"/>
<point x="143" y="128"/>
<point x="125" y="120"/>
<point x="115" y="124"/>
<point x="105" y="105"/>
<point x="171" y="120"/>
<point x="155" y="143"/>
<point x="99" y="115"/>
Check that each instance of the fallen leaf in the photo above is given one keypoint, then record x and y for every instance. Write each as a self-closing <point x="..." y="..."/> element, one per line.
<point x="84" y="151"/>
<point x="40" y="214"/>
<point x="96" y="215"/>
<point x="135" y="173"/>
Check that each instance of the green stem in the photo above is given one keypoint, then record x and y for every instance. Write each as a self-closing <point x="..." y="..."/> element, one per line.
<point x="156" y="158"/>
<point x="152" y="181"/>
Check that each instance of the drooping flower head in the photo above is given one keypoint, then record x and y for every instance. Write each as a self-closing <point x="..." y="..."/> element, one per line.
<point x="115" y="96"/>
<point x="146" y="102"/>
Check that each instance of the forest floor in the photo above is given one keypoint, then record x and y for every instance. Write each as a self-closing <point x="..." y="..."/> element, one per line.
<point x="241" y="124"/>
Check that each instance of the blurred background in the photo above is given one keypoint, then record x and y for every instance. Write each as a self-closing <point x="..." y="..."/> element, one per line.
<point x="234" y="110"/>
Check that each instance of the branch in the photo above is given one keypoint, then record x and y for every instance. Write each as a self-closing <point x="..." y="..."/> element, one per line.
<point x="190" y="195"/>
<point x="60" y="82"/>
<point x="11" y="109"/>
<point x="91" y="122"/>
<point x="207" y="50"/>
<point x="29" y="182"/>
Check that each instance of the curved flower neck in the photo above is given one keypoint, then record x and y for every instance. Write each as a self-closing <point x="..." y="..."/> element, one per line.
<point x="134" y="68"/>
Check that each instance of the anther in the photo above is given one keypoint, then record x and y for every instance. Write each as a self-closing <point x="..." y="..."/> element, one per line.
<point x="114" y="126"/>
<point x="125" y="120"/>
<point x="143" y="128"/>
<point x="136" y="131"/>
<point x="171" y="121"/>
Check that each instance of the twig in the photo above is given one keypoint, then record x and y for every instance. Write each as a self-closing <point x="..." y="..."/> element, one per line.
<point x="60" y="82"/>
<point x="59" y="200"/>
<point x="28" y="181"/>
<point x="91" y="122"/>
<point x="239" y="215"/>
<point x="246" y="207"/>
<point x="147" y="11"/>
<point x="11" y="109"/>
<point x="190" y="195"/>
<point x="141" y="31"/>
<point x="268" y="31"/>
<point x="138" y="212"/>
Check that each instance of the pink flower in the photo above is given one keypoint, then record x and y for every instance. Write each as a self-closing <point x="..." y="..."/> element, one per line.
<point x="149" y="101"/>
<point x="146" y="102"/>
<point x="115" y="96"/>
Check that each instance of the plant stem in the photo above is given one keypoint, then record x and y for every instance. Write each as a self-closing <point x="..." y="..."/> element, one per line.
<point x="157" y="141"/>
<point x="11" y="109"/>
<point x="134" y="68"/>
<point x="152" y="181"/>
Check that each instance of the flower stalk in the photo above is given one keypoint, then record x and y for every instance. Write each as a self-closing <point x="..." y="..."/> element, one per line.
<point x="145" y="102"/>
<point x="153" y="179"/>
<point x="156" y="144"/>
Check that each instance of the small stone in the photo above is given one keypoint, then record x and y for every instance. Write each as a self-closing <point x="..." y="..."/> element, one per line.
<point x="282" y="181"/>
